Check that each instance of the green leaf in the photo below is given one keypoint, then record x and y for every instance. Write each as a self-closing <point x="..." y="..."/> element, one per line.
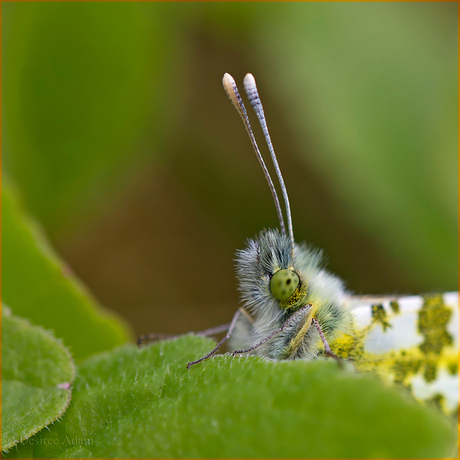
<point x="82" y="79"/>
<point x="39" y="286"/>
<point x="37" y="371"/>
<point x="131" y="403"/>
<point x="372" y="102"/>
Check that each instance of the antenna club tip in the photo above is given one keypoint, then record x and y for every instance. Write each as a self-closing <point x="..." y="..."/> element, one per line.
<point x="227" y="80"/>
<point x="249" y="81"/>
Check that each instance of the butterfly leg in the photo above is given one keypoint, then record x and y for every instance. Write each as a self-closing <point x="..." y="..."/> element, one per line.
<point x="277" y="331"/>
<point x="154" y="336"/>
<point x="213" y="330"/>
<point x="205" y="333"/>
<point x="327" y="348"/>
<point x="227" y="336"/>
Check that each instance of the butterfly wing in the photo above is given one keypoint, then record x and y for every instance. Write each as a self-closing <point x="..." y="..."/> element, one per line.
<point x="412" y="341"/>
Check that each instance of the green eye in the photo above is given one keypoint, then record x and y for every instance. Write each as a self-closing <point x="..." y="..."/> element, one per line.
<point x="283" y="284"/>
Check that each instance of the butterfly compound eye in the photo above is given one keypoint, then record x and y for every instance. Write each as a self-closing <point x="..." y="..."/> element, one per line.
<point x="283" y="284"/>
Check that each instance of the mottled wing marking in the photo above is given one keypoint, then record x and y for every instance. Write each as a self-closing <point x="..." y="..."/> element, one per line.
<point x="432" y="324"/>
<point x="379" y="315"/>
<point x="411" y="341"/>
<point x="394" y="305"/>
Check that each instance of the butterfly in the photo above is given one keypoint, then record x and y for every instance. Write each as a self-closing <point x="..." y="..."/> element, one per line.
<point x="293" y="308"/>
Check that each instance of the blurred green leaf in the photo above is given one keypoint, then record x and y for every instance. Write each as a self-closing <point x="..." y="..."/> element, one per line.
<point x="130" y="403"/>
<point x="83" y="80"/>
<point x="370" y="91"/>
<point x="37" y="371"/>
<point x="39" y="286"/>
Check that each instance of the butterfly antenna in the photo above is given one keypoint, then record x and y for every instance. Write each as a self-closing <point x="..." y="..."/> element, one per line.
<point x="235" y="98"/>
<point x="253" y="96"/>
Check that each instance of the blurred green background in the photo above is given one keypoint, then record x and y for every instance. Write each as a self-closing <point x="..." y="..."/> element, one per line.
<point x="123" y="144"/>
